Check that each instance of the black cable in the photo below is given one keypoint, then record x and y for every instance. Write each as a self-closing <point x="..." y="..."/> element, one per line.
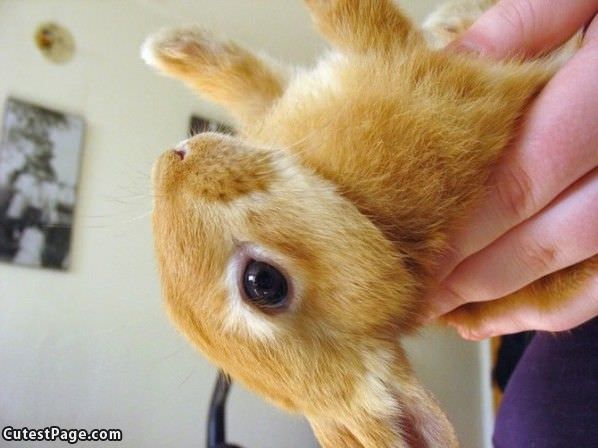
<point x="217" y="413"/>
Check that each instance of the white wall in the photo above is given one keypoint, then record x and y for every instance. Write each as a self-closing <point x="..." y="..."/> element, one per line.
<point x="92" y="347"/>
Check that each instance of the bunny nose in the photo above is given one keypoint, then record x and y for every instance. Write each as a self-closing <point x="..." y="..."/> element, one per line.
<point x="181" y="151"/>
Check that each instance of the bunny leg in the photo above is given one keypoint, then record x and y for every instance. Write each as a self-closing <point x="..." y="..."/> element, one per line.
<point x="363" y="25"/>
<point x="222" y="71"/>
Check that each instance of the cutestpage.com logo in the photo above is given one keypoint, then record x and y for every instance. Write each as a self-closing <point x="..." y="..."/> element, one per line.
<point x="55" y="433"/>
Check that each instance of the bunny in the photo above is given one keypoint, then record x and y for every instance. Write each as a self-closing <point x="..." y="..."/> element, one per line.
<point x="295" y="255"/>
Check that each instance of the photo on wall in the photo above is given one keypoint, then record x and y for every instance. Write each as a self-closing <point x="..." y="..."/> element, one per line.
<point x="40" y="153"/>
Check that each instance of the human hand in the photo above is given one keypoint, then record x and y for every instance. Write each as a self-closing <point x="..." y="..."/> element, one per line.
<point x="541" y="214"/>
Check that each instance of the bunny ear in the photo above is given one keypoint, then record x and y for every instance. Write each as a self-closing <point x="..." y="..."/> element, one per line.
<point x="332" y="434"/>
<point x="358" y="431"/>
<point x="423" y="422"/>
<point x="415" y="421"/>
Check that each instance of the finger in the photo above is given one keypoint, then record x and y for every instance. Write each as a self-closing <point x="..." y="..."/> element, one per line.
<point x="560" y="236"/>
<point x="525" y="27"/>
<point x="478" y="321"/>
<point x="556" y="146"/>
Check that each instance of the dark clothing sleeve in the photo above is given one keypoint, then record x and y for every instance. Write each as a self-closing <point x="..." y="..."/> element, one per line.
<point x="551" y="400"/>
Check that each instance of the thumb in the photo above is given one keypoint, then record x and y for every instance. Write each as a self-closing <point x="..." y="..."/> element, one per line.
<point x="525" y="27"/>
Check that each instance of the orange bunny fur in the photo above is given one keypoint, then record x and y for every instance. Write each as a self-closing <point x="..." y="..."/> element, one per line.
<point x="349" y="178"/>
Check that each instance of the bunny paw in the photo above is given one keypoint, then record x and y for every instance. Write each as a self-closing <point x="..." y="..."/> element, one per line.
<point x="182" y="46"/>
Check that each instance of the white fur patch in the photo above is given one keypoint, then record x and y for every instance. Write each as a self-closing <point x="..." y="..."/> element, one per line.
<point x="323" y="78"/>
<point x="375" y="391"/>
<point x="241" y="317"/>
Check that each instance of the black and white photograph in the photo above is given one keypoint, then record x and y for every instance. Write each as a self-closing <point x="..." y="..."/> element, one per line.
<point x="40" y="155"/>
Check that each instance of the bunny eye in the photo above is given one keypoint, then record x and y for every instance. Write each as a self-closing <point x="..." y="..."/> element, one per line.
<point x="265" y="286"/>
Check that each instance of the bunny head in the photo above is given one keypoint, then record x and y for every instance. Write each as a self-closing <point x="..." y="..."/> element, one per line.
<point x="273" y="274"/>
<point x="295" y="255"/>
<point x="285" y="285"/>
